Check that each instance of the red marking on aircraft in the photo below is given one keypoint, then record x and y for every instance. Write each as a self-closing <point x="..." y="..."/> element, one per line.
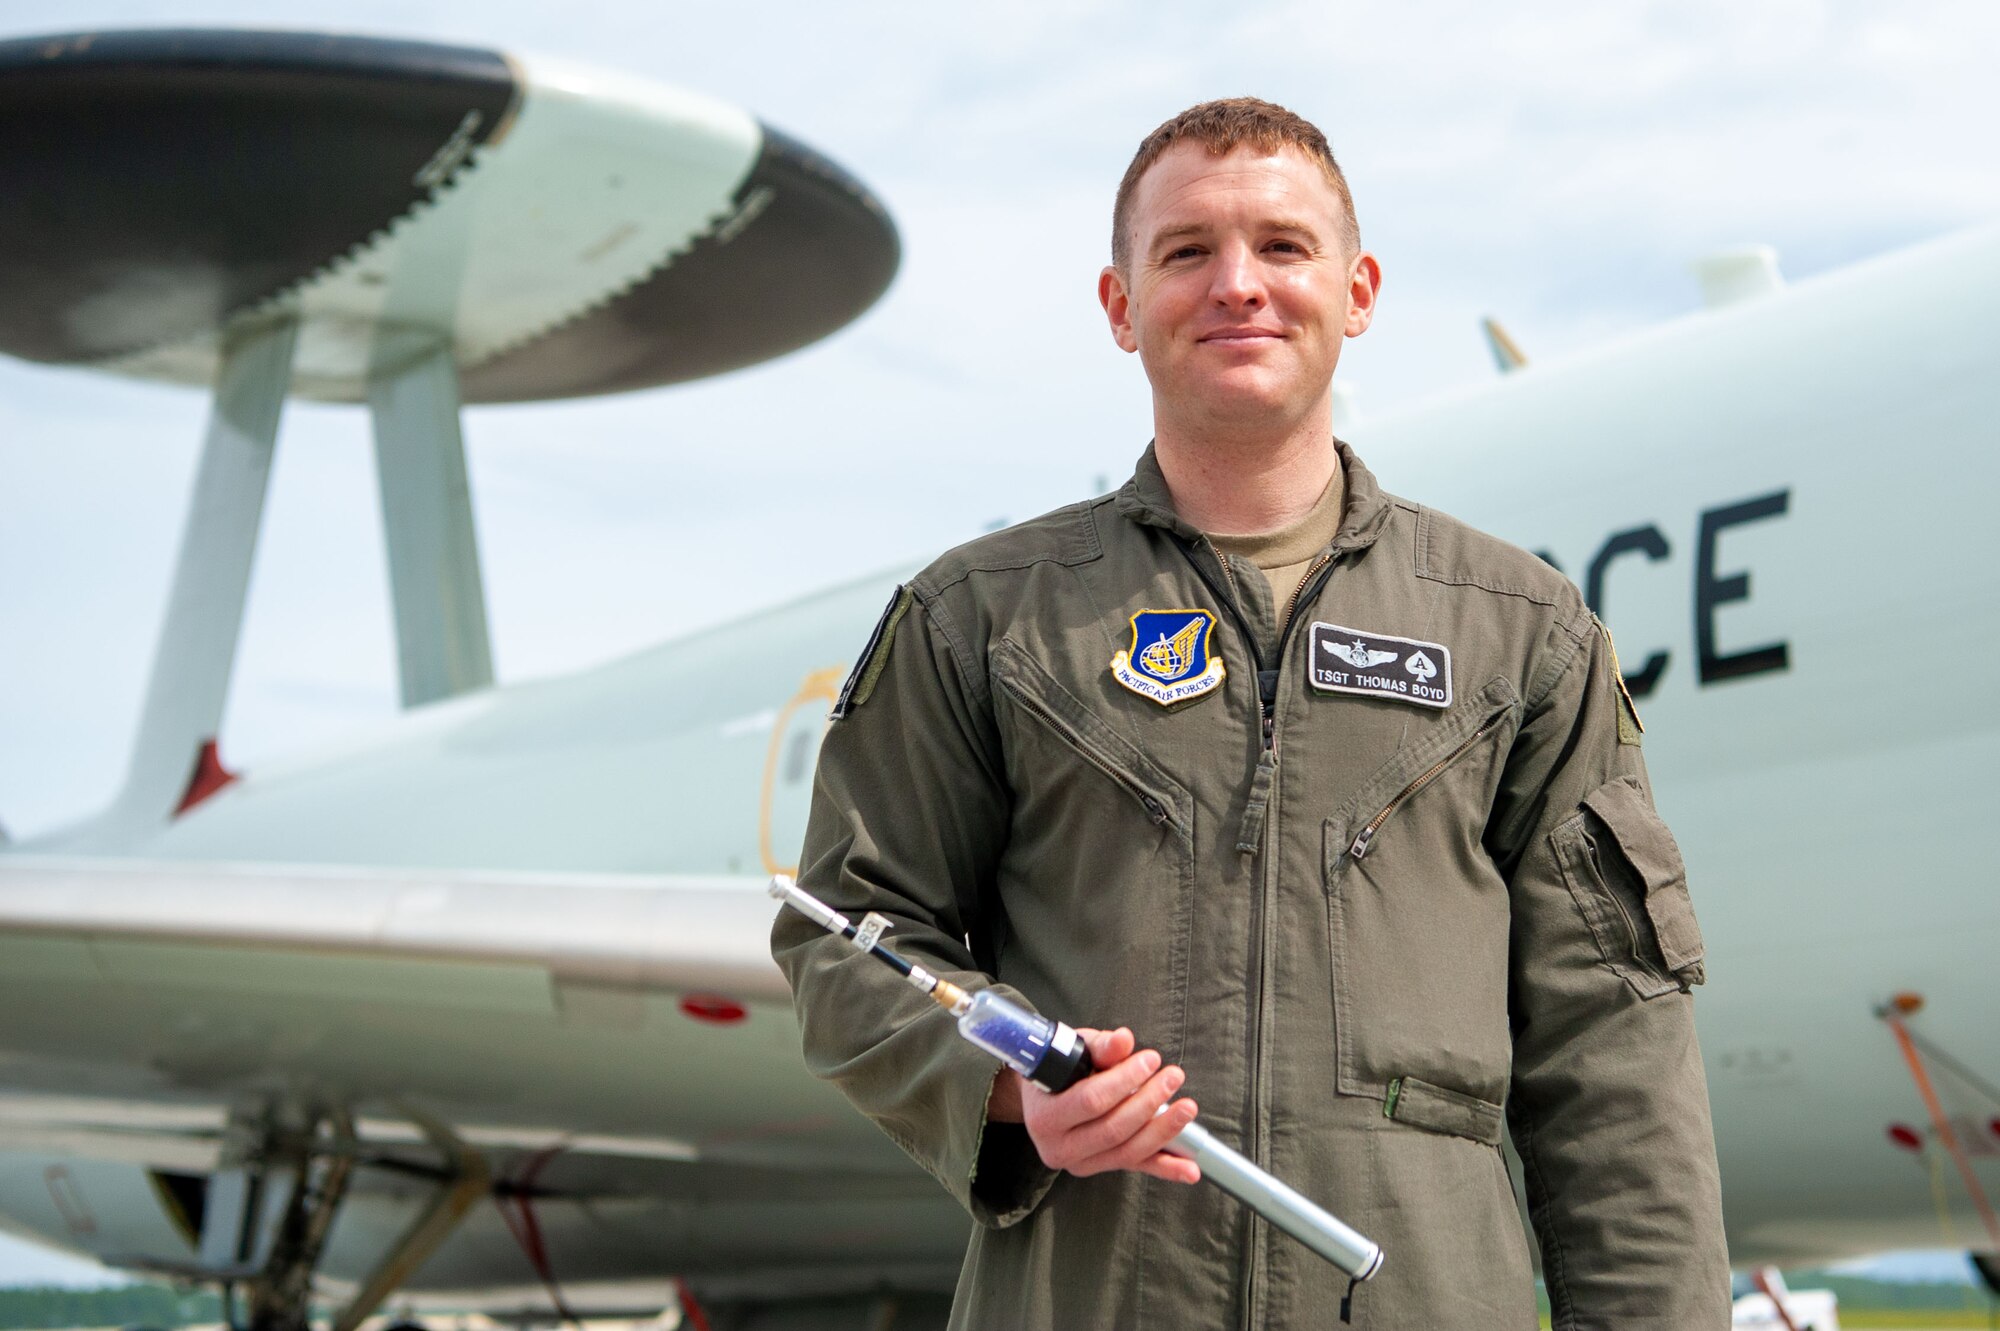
<point x="209" y="776"/>
<point x="714" y="1008"/>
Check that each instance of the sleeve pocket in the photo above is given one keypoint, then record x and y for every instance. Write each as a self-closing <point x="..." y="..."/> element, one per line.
<point x="1623" y="868"/>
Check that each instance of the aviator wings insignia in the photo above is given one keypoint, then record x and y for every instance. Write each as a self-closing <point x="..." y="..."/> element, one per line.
<point x="1358" y="655"/>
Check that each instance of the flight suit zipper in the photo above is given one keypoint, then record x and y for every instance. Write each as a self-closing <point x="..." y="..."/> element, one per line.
<point x="1155" y="809"/>
<point x="1267" y="679"/>
<point x="1228" y="573"/>
<point x="1292" y="606"/>
<point x="1264" y="787"/>
<point x="1366" y="836"/>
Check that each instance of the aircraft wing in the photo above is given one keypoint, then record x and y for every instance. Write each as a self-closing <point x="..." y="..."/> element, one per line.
<point x="646" y="930"/>
<point x="619" y="1049"/>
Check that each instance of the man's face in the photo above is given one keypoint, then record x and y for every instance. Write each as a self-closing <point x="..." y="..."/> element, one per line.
<point x="1239" y="289"/>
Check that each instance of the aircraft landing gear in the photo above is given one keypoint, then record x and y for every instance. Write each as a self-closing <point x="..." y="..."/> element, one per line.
<point x="281" y="1295"/>
<point x="320" y="1156"/>
<point x="464" y="1178"/>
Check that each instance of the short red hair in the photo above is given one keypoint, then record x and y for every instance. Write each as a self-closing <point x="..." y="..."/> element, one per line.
<point x="1222" y="127"/>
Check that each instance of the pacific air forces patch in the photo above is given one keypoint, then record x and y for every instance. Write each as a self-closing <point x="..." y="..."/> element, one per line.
<point x="1344" y="660"/>
<point x="1171" y="658"/>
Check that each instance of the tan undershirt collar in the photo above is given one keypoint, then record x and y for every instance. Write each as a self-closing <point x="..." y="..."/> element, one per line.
<point x="1284" y="555"/>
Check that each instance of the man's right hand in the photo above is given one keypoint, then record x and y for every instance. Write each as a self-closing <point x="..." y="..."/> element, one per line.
<point x="1109" y="1120"/>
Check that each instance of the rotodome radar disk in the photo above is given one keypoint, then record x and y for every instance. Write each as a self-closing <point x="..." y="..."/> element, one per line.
<point x="567" y="231"/>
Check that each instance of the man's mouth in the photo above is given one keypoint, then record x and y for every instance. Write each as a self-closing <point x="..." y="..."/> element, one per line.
<point x="1241" y="336"/>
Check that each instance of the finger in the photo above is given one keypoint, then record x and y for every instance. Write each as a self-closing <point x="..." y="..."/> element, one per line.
<point x="1108" y="1048"/>
<point x="1129" y="1120"/>
<point x="1053" y="1119"/>
<point x="1167" y="1124"/>
<point x="1172" y="1168"/>
<point x="1097" y="1094"/>
<point x="1141" y="1146"/>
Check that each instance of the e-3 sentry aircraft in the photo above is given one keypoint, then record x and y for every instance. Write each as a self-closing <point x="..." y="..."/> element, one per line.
<point x="461" y="1010"/>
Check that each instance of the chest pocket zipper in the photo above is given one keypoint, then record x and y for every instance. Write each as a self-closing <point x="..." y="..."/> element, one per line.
<point x="1365" y="838"/>
<point x="1011" y="668"/>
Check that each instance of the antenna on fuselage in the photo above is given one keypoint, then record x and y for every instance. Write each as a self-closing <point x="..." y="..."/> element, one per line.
<point x="1507" y="354"/>
<point x="1737" y="274"/>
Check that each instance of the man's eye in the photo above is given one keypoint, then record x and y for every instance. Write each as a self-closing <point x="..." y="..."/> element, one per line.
<point x="1184" y="252"/>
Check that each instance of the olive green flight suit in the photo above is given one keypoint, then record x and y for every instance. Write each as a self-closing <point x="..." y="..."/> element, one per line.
<point x="1361" y="924"/>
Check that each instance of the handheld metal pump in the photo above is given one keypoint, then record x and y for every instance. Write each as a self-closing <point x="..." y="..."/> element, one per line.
<point x="1052" y="1055"/>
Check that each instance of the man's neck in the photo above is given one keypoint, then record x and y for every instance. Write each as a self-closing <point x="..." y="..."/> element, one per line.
<point x="1246" y="482"/>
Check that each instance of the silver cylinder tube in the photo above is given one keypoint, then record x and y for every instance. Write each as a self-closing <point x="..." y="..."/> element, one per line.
<point x="826" y="917"/>
<point x="1283" y="1206"/>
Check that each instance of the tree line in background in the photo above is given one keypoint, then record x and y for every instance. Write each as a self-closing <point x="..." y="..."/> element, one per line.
<point x="151" y="1305"/>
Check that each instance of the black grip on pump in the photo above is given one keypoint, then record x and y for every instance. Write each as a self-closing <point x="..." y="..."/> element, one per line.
<point x="1058" y="1071"/>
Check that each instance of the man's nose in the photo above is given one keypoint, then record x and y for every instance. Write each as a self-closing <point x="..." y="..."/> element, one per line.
<point x="1236" y="278"/>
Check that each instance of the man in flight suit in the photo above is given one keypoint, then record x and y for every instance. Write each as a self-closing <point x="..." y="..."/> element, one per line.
<point x="1335" y="801"/>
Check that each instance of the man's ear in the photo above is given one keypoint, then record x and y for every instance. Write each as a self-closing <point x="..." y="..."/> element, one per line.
<point x="1117" y="308"/>
<point x="1364" y="284"/>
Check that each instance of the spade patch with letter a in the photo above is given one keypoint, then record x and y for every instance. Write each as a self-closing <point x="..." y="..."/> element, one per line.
<point x="1375" y="665"/>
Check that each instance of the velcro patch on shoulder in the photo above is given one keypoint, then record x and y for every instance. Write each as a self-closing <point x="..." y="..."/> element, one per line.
<point x="1630" y="727"/>
<point x="874" y="657"/>
<point x="1377" y="665"/>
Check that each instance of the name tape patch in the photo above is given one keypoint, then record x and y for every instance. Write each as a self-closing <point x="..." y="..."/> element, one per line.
<point x="1345" y="660"/>
<point x="1171" y="657"/>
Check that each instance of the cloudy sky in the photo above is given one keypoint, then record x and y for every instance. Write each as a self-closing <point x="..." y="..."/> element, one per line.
<point x="1555" y="164"/>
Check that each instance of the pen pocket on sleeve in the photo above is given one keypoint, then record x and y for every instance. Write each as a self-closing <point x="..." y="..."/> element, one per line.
<point x="1625" y="873"/>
